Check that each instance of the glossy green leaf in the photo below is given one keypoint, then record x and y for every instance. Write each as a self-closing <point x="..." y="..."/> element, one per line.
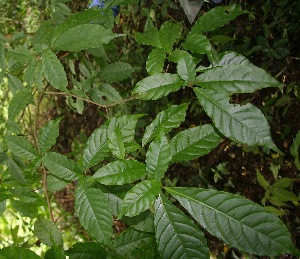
<point x="158" y="157"/>
<point x="233" y="58"/>
<point x="54" y="71"/>
<point x="17" y="253"/>
<point x="127" y="125"/>
<point x="186" y="68"/>
<point x="236" y="220"/>
<point x="120" y="172"/>
<point x="140" y="197"/>
<point x="176" y="234"/>
<point x="47" y="232"/>
<point x="216" y="17"/>
<point x="116" y="143"/>
<point x="197" y="43"/>
<point x="88" y="250"/>
<point x="96" y="148"/>
<point x="21" y="147"/>
<point x="94" y="212"/>
<point x="60" y="166"/>
<point x="84" y="36"/>
<point x="116" y="72"/>
<point x="165" y="121"/>
<point x="168" y="34"/>
<point x="236" y="79"/>
<point x="131" y="241"/>
<point x="149" y="37"/>
<point x="48" y="135"/>
<point x="155" y="86"/>
<point x="194" y="142"/>
<point x="143" y="222"/>
<point x="19" y="101"/>
<point x="243" y="123"/>
<point x="155" y="61"/>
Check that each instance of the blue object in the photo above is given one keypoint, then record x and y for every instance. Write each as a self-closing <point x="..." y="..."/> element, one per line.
<point x="100" y="4"/>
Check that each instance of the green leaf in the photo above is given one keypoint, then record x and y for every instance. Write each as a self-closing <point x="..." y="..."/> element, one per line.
<point x="143" y="222"/>
<point x="194" y="142"/>
<point x="84" y="36"/>
<point x="88" y="250"/>
<point x="186" y="68"/>
<point x="155" y="61"/>
<point x="19" y="101"/>
<point x="120" y="172"/>
<point x="14" y="83"/>
<point x="17" y="253"/>
<point x="54" y="71"/>
<point x="140" y="197"/>
<point x="116" y="72"/>
<point x="168" y="34"/>
<point x="94" y="212"/>
<point x="55" y="184"/>
<point x="21" y="147"/>
<point x="15" y="170"/>
<point x="236" y="79"/>
<point x="26" y="209"/>
<point x="127" y="125"/>
<point x="232" y="58"/>
<point x="96" y="148"/>
<point x="47" y="232"/>
<point x="261" y="180"/>
<point x="130" y="241"/>
<point x="48" y="135"/>
<point x="216" y="17"/>
<point x="176" y="235"/>
<point x="60" y="166"/>
<point x="155" y="86"/>
<point x="55" y="252"/>
<point x="20" y="54"/>
<point x="149" y="37"/>
<point x="158" y="157"/>
<point x="243" y="123"/>
<point x="165" y="121"/>
<point x="105" y="94"/>
<point x="197" y="43"/>
<point x="236" y="220"/>
<point x="116" y="143"/>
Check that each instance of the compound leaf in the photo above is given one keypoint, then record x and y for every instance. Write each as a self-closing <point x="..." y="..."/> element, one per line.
<point x="94" y="212"/>
<point x="236" y="220"/>
<point x="140" y="197"/>
<point x="165" y="121"/>
<point x="120" y="172"/>
<point x="243" y="123"/>
<point x="194" y="142"/>
<point x="155" y="86"/>
<point x="176" y="235"/>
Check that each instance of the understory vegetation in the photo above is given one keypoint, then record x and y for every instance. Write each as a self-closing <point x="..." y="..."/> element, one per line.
<point x="138" y="132"/>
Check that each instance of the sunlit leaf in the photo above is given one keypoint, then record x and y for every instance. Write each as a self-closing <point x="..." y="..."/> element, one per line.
<point x="47" y="232"/>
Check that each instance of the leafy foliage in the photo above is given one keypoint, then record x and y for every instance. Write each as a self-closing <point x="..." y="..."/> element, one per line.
<point x="119" y="173"/>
